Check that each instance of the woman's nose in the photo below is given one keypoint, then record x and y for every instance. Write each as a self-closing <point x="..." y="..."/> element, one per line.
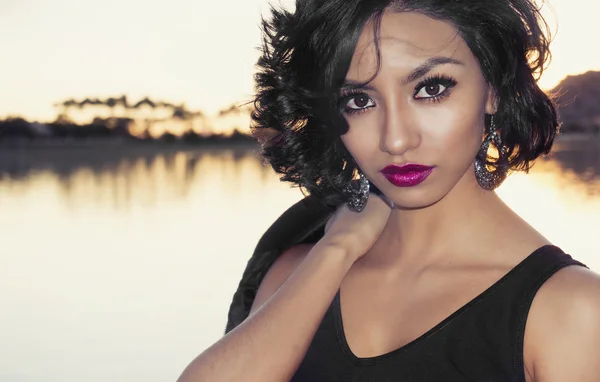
<point x="400" y="132"/>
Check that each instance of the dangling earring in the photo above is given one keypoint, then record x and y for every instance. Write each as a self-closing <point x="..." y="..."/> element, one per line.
<point x="358" y="193"/>
<point x="487" y="179"/>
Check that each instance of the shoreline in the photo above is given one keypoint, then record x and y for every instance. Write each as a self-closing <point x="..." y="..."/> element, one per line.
<point x="119" y="143"/>
<point x="65" y="156"/>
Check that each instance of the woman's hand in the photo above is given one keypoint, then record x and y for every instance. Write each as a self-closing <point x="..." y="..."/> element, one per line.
<point x="275" y="330"/>
<point x="356" y="232"/>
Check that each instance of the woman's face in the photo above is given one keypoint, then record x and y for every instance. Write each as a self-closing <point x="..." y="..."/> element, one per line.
<point x="426" y="106"/>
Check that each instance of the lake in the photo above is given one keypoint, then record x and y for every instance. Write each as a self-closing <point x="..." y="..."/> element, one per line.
<point x="119" y="265"/>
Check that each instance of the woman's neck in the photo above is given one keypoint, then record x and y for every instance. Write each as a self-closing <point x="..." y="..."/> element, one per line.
<point x="461" y="221"/>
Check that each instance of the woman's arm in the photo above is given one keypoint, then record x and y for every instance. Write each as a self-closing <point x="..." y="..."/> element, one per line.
<point x="278" y="273"/>
<point x="271" y="343"/>
<point x="562" y="337"/>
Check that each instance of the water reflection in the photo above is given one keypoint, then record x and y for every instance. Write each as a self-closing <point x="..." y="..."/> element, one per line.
<point x="137" y="178"/>
<point x="579" y="162"/>
<point x="145" y="176"/>
<point x="133" y="255"/>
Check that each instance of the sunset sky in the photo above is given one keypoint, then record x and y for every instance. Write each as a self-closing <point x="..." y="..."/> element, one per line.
<point x="198" y="52"/>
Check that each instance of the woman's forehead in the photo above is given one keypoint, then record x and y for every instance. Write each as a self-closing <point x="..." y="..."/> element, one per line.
<point x="407" y="39"/>
<point x="417" y="31"/>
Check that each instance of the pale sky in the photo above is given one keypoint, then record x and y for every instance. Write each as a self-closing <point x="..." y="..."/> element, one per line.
<point x="200" y="52"/>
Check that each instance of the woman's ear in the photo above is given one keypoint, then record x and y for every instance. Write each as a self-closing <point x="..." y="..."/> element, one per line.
<point x="491" y="101"/>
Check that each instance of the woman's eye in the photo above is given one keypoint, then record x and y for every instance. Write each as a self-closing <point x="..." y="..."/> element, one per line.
<point x="360" y="101"/>
<point x="431" y="91"/>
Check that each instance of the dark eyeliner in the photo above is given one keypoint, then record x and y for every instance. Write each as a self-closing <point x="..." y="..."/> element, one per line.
<point x="438" y="79"/>
<point x="345" y="96"/>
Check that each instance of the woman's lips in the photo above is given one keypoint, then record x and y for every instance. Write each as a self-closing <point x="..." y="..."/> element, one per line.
<point x="408" y="175"/>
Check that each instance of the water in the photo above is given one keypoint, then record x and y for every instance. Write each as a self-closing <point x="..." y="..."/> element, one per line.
<point x="121" y="266"/>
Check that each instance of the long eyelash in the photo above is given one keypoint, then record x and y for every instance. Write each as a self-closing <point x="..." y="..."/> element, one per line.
<point x="437" y="79"/>
<point x="345" y="96"/>
<point x="347" y="93"/>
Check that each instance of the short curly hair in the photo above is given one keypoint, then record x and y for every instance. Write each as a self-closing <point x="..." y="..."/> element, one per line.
<point x="306" y="55"/>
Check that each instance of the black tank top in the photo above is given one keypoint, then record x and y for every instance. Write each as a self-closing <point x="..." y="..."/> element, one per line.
<point x="482" y="341"/>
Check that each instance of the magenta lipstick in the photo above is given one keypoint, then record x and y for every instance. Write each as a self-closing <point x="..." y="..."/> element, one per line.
<point x="408" y="175"/>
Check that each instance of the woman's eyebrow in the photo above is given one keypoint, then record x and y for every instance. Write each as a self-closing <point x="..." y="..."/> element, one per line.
<point x="428" y="65"/>
<point x="350" y="84"/>
<point x="417" y="73"/>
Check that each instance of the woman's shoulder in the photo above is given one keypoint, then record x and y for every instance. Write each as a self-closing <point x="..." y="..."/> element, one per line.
<point x="288" y="239"/>
<point x="563" y="326"/>
<point x="572" y="293"/>
<point x="276" y="255"/>
<point x="279" y="272"/>
<point x="569" y="291"/>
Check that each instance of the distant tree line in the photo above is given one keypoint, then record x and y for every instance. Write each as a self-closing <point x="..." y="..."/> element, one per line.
<point x="18" y="129"/>
<point x="125" y="120"/>
<point x="578" y="127"/>
<point x="123" y="103"/>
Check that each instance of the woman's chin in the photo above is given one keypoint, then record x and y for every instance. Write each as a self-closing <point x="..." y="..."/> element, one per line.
<point x="412" y="199"/>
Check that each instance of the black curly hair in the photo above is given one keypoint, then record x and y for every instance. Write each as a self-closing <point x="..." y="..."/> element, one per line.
<point x="306" y="55"/>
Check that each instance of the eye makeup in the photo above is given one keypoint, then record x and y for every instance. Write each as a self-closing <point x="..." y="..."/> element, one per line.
<point x="434" y="88"/>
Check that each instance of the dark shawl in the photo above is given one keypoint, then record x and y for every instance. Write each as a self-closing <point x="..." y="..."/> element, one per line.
<point x="304" y="222"/>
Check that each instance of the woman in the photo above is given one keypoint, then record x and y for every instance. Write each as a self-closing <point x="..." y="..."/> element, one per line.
<point x="437" y="280"/>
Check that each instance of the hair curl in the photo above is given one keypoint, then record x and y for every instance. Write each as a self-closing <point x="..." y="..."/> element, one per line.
<point x="306" y="55"/>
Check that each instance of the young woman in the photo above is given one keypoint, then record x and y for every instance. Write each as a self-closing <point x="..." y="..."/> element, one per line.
<point x="433" y="102"/>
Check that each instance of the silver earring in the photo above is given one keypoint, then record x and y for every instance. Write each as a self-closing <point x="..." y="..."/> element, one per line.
<point x="490" y="180"/>
<point x="358" y="193"/>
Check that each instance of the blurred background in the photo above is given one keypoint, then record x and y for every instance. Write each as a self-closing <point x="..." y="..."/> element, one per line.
<point x="131" y="196"/>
